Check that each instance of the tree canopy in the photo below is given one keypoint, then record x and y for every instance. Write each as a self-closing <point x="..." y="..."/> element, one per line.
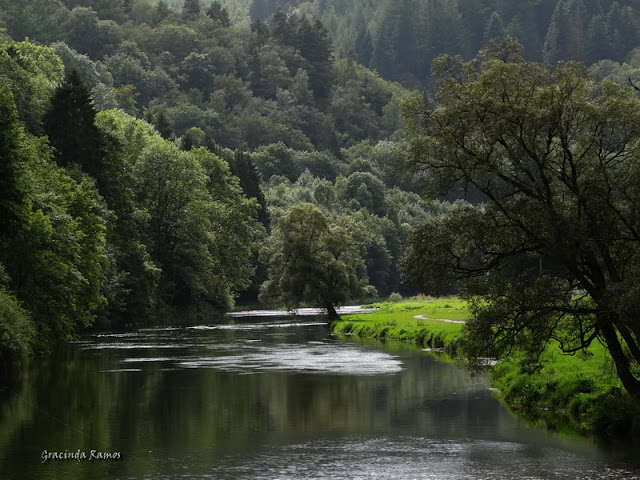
<point x="551" y="253"/>
<point x="309" y="259"/>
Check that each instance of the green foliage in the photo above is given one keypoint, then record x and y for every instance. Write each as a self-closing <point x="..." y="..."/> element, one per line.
<point x="54" y="253"/>
<point x="17" y="330"/>
<point x="32" y="73"/>
<point x="201" y="228"/>
<point x="70" y="126"/>
<point x="130" y="286"/>
<point x="11" y="191"/>
<point x="367" y="191"/>
<point x="578" y="393"/>
<point x="549" y="225"/>
<point x="311" y="260"/>
<point x="395" y="297"/>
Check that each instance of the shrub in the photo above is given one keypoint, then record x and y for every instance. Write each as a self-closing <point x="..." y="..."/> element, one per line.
<point x="395" y="297"/>
<point x="16" y="328"/>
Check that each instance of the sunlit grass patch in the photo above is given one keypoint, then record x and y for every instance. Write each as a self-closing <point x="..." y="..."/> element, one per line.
<point x="579" y="393"/>
<point x="397" y="321"/>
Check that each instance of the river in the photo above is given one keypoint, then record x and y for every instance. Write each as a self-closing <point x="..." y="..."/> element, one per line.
<point x="272" y="398"/>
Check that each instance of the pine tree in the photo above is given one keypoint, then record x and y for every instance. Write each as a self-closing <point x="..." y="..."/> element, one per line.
<point x="191" y="7"/>
<point x="395" y="46"/>
<point x="622" y="26"/>
<point x="244" y="167"/>
<point x="363" y="45"/>
<point x="70" y="125"/>
<point x="495" y="28"/>
<point x="283" y="29"/>
<point x="163" y="126"/>
<point x="565" y="38"/>
<point x="598" y="46"/>
<point x="218" y="12"/>
<point x="315" y="47"/>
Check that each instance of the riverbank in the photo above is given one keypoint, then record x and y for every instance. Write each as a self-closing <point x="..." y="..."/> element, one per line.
<point x="430" y="323"/>
<point x="579" y="393"/>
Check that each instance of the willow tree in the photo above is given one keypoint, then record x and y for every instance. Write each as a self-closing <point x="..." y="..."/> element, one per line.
<point x="552" y="253"/>
<point x="309" y="259"/>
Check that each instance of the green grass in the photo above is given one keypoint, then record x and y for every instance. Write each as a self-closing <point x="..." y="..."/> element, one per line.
<point x="396" y="321"/>
<point x="580" y="393"/>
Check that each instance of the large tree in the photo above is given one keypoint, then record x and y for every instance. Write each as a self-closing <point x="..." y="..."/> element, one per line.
<point x="70" y="125"/>
<point x="309" y="259"/>
<point x="551" y="255"/>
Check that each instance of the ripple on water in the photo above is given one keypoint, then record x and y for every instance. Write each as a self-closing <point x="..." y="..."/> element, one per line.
<point x="257" y="326"/>
<point x="139" y="346"/>
<point x="314" y="358"/>
<point x="404" y="458"/>
<point x="327" y="359"/>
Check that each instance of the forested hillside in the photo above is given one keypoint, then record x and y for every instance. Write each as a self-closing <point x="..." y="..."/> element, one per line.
<point x="148" y="152"/>
<point x="150" y="149"/>
<point x="400" y="38"/>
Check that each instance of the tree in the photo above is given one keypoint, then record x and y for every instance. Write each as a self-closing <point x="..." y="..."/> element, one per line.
<point x="495" y="28"/>
<point x="32" y="73"/>
<point x="59" y="271"/>
<point x="191" y="7"/>
<point x="244" y="167"/>
<point x="132" y="278"/>
<point x="368" y="190"/>
<point x="309" y="259"/>
<point x="315" y="47"/>
<point x="218" y="12"/>
<point x="163" y="126"/>
<point x="86" y="33"/>
<point x="565" y="37"/>
<point x="551" y="255"/>
<point x="70" y="125"/>
<point x="363" y="45"/>
<point x="11" y="164"/>
<point x="201" y="228"/>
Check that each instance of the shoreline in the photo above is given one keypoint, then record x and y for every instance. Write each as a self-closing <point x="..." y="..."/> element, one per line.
<point x="573" y="394"/>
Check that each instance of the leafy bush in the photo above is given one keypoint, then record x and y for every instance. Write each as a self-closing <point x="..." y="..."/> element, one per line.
<point x="16" y="328"/>
<point x="395" y="297"/>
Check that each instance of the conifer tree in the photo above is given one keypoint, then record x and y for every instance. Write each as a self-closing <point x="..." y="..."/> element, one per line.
<point x="598" y="44"/>
<point x="495" y="28"/>
<point x="218" y="12"/>
<point x="315" y="47"/>
<point x="244" y="167"/>
<point x="363" y="45"/>
<point x="191" y="7"/>
<point x="70" y="125"/>
<point x="163" y="126"/>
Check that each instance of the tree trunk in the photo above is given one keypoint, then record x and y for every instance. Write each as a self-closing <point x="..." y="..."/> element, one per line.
<point x="333" y="315"/>
<point x="623" y="365"/>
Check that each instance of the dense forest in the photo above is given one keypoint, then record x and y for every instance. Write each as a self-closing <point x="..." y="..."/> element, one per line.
<point x="401" y="38"/>
<point x="163" y="159"/>
<point x="147" y="152"/>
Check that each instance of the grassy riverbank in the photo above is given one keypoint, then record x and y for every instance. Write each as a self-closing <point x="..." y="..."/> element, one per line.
<point x="426" y="322"/>
<point x="579" y="393"/>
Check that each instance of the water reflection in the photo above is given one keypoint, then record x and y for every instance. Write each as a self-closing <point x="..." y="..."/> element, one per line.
<point x="271" y="401"/>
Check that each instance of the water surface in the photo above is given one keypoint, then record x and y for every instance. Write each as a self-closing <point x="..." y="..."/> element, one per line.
<point x="276" y="399"/>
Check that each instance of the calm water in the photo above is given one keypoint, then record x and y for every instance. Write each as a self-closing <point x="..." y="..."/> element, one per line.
<point x="277" y="400"/>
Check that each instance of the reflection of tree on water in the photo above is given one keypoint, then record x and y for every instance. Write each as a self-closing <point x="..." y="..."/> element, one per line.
<point x="163" y="416"/>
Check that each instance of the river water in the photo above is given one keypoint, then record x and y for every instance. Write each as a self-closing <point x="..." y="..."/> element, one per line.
<point x="277" y="399"/>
